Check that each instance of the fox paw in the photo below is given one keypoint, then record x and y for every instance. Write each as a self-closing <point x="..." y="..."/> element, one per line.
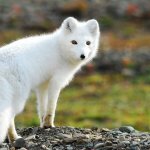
<point x="46" y="123"/>
<point x="45" y="126"/>
<point x="14" y="138"/>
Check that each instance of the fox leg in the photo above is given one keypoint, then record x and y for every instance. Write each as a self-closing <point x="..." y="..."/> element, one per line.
<point x="42" y="99"/>
<point x="12" y="133"/>
<point x="53" y="93"/>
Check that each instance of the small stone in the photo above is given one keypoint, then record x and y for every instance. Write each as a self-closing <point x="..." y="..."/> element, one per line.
<point x="108" y="147"/>
<point x="121" y="145"/>
<point x="86" y="131"/>
<point x="19" y="143"/>
<point x="126" y="142"/>
<point x="134" y="143"/>
<point x="110" y="136"/>
<point x="137" y="140"/>
<point x="22" y="148"/>
<point x="61" y="135"/>
<point x="86" y="136"/>
<point x="127" y="129"/>
<point x="30" y="137"/>
<point x="86" y="140"/>
<point x="69" y="140"/>
<point x="35" y="130"/>
<point x="30" y="143"/>
<point x="44" y="147"/>
<point x="96" y="137"/>
<point x="69" y="147"/>
<point x="99" y="145"/>
<point x="108" y="143"/>
<point x="48" y="129"/>
<point x="122" y="138"/>
<point x="12" y="148"/>
<point x="104" y="130"/>
<point x="134" y="148"/>
<point x="3" y="148"/>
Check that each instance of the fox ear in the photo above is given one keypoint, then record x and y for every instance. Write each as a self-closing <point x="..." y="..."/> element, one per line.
<point x="69" y="24"/>
<point x="93" y="26"/>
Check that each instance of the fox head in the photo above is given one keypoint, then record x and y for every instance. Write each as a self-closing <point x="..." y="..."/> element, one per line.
<point x="79" y="41"/>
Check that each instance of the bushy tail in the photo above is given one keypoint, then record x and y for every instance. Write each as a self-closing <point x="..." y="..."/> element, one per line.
<point x="5" y="118"/>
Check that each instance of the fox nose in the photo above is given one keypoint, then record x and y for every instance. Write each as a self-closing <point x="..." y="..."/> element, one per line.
<point x="82" y="56"/>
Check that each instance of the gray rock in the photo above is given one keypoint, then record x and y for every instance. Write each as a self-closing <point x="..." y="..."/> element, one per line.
<point x="108" y="143"/>
<point x="99" y="145"/>
<point x="3" y="148"/>
<point x="122" y="138"/>
<point x="69" y="140"/>
<point x="126" y="142"/>
<point x="22" y="148"/>
<point x="44" y="147"/>
<point x="19" y="143"/>
<point x="127" y="129"/>
<point x="122" y="145"/>
<point x="69" y="147"/>
<point x="61" y="135"/>
<point x="30" y="137"/>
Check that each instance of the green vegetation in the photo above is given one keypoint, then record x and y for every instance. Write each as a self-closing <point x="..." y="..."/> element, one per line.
<point x="99" y="100"/>
<point x="107" y="21"/>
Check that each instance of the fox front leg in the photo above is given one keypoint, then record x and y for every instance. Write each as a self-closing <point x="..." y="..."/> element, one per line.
<point x="53" y="94"/>
<point x="42" y="100"/>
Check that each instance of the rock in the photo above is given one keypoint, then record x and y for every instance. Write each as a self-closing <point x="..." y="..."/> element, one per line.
<point x="12" y="148"/>
<point x="60" y="135"/>
<point x="22" y="148"/>
<point x="44" y="147"/>
<point x="122" y="138"/>
<point x="35" y="130"/>
<point x="19" y="143"/>
<point x="30" y="137"/>
<point x="69" y="140"/>
<point x="121" y="145"/>
<point x="127" y="129"/>
<point x="126" y="142"/>
<point x="104" y="130"/>
<point x="108" y="143"/>
<point x="108" y="147"/>
<point x="69" y="147"/>
<point x="99" y="145"/>
<point x="3" y="148"/>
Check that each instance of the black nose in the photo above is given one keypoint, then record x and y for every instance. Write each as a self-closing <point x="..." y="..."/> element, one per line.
<point x="82" y="56"/>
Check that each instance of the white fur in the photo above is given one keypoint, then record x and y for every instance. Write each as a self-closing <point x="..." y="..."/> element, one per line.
<point x="44" y="64"/>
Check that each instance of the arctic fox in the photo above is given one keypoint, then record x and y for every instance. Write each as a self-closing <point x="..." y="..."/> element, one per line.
<point x="44" y="64"/>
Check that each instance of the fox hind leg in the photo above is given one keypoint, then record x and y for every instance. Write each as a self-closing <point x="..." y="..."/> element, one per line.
<point x="12" y="133"/>
<point x="5" y="107"/>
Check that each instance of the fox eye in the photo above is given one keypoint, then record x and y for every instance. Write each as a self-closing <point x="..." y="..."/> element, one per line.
<point x="74" y="42"/>
<point x="88" y="42"/>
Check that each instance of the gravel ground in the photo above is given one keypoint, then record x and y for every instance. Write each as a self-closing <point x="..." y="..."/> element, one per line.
<point x="70" y="138"/>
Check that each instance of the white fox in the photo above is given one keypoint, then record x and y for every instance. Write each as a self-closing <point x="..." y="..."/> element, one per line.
<point x="44" y="64"/>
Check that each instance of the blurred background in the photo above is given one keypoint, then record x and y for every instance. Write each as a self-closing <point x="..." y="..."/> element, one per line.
<point x="114" y="89"/>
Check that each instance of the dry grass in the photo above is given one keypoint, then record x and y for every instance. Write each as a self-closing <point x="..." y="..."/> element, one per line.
<point x="115" y="42"/>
